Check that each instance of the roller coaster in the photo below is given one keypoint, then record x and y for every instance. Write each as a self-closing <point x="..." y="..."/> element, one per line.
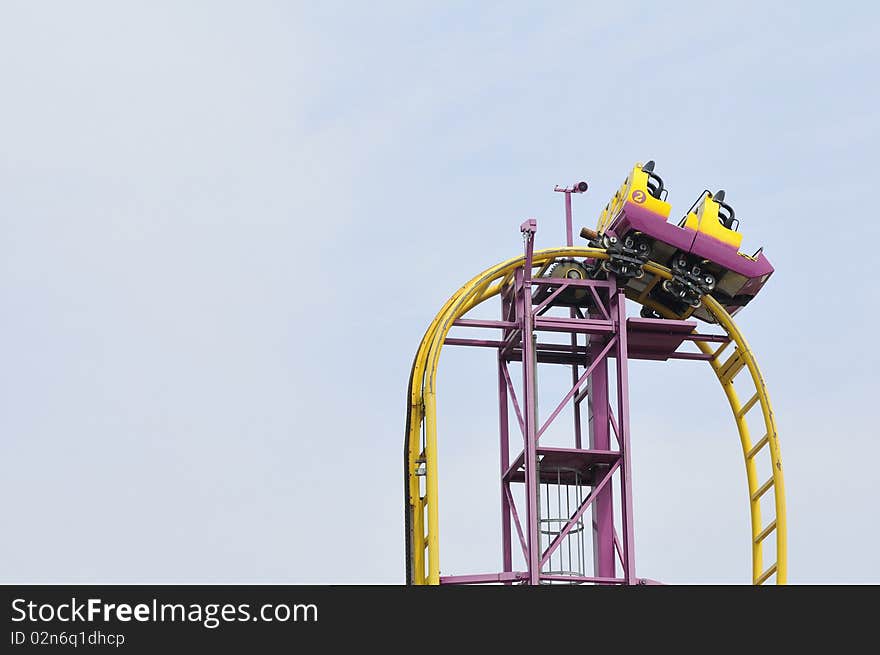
<point x="566" y="306"/>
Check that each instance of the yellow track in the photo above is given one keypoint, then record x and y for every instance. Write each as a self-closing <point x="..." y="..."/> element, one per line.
<point x="420" y="450"/>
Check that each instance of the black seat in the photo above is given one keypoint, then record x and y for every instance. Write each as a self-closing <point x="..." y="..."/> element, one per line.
<point x="655" y="182"/>
<point x="726" y="215"/>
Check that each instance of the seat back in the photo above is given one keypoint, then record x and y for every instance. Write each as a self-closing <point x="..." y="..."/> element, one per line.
<point x="642" y="187"/>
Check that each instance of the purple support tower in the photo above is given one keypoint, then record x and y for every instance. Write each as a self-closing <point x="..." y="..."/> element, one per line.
<point x="546" y="491"/>
<point x="557" y="485"/>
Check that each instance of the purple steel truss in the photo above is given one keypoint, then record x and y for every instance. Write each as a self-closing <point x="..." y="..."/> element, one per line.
<point x="544" y="530"/>
<point x="591" y="467"/>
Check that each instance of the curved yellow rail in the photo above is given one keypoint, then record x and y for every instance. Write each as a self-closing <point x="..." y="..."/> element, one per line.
<point x="420" y="450"/>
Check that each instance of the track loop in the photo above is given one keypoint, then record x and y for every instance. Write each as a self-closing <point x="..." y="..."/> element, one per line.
<point x="420" y="449"/>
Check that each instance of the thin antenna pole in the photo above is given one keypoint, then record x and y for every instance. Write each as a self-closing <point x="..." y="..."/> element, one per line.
<point x="569" y="236"/>
<point x="580" y="187"/>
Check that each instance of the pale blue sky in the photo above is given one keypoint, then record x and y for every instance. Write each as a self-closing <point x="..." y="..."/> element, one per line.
<point x="225" y="227"/>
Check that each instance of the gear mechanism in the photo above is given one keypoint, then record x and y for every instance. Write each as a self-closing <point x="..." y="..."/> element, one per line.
<point x="571" y="270"/>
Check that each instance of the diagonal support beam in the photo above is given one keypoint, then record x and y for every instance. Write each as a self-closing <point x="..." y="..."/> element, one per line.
<point x="549" y="299"/>
<point x="613" y="422"/>
<point x="617" y="547"/>
<point x="519" y="531"/>
<point x="600" y="304"/>
<point x="581" y="381"/>
<point x="510" y="389"/>
<point x="579" y="513"/>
